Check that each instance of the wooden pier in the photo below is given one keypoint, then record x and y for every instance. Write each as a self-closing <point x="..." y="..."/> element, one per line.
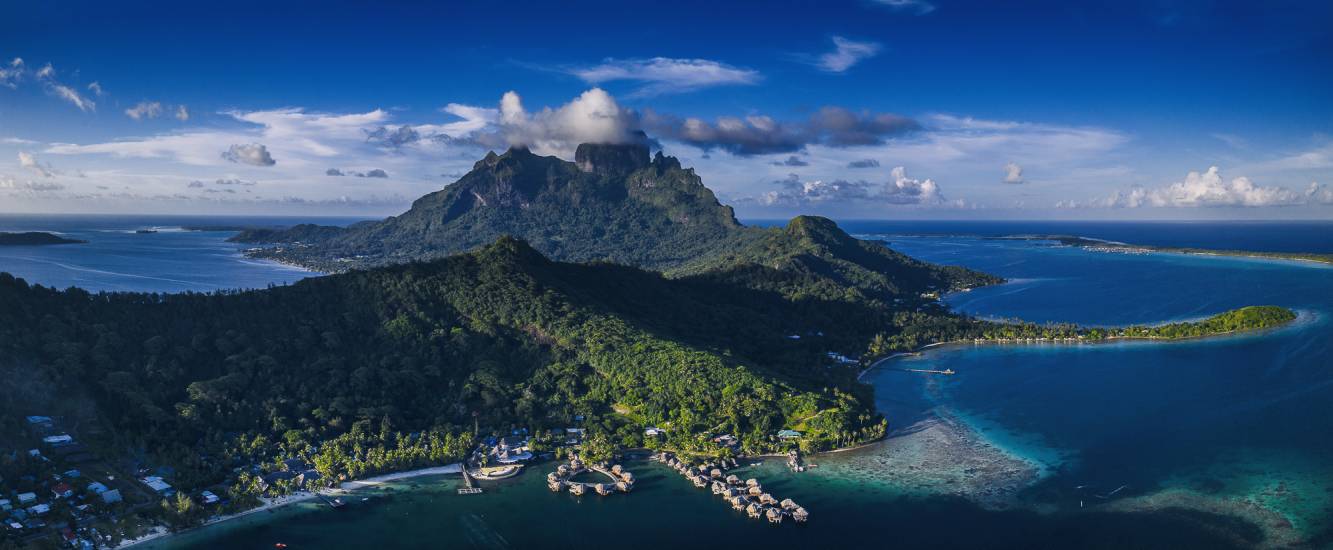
<point x="471" y="488"/>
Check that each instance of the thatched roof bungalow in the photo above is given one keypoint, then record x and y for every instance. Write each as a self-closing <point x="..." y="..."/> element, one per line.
<point x="739" y="503"/>
<point x="753" y="510"/>
<point x="733" y="480"/>
<point x="715" y="473"/>
<point x="752" y="482"/>
<point x="576" y="488"/>
<point x="767" y="499"/>
<point x="774" y="515"/>
<point x="800" y="515"/>
<point x="756" y="490"/>
<point x="788" y="504"/>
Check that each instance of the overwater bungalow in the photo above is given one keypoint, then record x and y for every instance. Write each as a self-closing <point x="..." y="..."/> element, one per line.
<point x="733" y="492"/>
<point x="767" y="499"/>
<point x="603" y="488"/>
<point x="563" y="470"/>
<point x="738" y="502"/>
<point x="753" y="510"/>
<point x="576" y="464"/>
<point x="719" y="488"/>
<point x="627" y="477"/>
<point x="800" y="515"/>
<point x="624" y="487"/>
<point x="715" y="473"/>
<point x="700" y="481"/>
<point x="755" y="491"/>
<point x="733" y="480"/>
<point x="788" y="504"/>
<point x="774" y="515"/>
<point x="752" y="482"/>
<point x="616" y="469"/>
<point x="556" y="485"/>
<point x="576" y="489"/>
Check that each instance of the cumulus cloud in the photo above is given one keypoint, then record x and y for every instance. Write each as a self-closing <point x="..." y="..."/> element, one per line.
<point x="182" y="113"/>
<point x="899" y="190"/>
<point x="1210" y="189"/>
<point x="593" y="117"/>
<point x="30" y="162"/>
<point x="254" y="154"/>
<point x="1013" y="173"/>
<point x="372" y="173"/>
<point x="661" y="75"/>
<point x="145" y="109"/>
<point x="398" y="137"/>
<point x="845" y="54"/>
<point x="919" y="7"/>
<point x="790" y="161"/>
<point x="863" y="163"/>
<point x="1318" y="193"/>
<point x="757" y="135"/>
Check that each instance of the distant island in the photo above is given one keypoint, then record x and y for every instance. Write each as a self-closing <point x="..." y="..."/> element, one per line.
<point x="34" y="238"/>
<point x="1098" y="245"/>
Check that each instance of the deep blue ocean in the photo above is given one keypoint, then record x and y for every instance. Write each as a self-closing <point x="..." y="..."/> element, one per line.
<point x="1214" y="443"/>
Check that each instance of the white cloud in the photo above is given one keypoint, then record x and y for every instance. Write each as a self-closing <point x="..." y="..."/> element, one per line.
<point x="182" y="113"/>
<point x="919" y="7"/>
<point x="12" y="73"/>
<point x="47" y="74"/>
<point x="69" y="94"/>
<point x="95" y="88"/>
<point x="1013" y="173"/>
<point x="902" y="189"/>
<point x="1209" y="189"/>
<point x="29" y="162"/>
<point x="254" y="154"/>
<point x="845" y="54"/>
<point x="593" y="117"/>
<point x="1318" y="193"/>
<point x="899" y="190"/>
<point x="8" y="183"/>
<point x="661" y="75"/>
<point x="145" y="109"/>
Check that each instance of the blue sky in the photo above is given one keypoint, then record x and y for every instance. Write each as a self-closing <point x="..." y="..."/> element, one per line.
<point x="859" y="109"/>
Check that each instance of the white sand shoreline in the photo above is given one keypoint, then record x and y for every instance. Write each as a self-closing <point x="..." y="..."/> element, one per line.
<point x="160" y="532"/>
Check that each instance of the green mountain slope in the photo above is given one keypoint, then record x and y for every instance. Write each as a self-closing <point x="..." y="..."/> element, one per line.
<point x="502" y="336"/>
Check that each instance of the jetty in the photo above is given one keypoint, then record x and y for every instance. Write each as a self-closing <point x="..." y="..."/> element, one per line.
<point x="471" y="486"/>
<point x="746" y="496"/>
<point x="622" y="480"/>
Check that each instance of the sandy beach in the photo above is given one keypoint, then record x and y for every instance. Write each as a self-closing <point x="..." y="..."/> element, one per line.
<point x="345" y="487"/>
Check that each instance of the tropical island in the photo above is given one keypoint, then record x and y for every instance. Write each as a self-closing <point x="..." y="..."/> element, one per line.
<point x="1099" y="245"/>
<point x="613" y="298"/>
<point x="35" y="238"/>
